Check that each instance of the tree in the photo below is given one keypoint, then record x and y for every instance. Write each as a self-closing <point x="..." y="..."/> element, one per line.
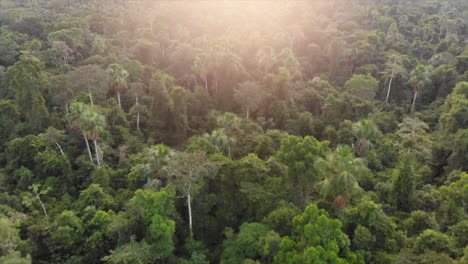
<point x="35" y="195"/>
<point x="396" y="68"/>
<point x="316" y="238"/>
<point x="10" y="242"/>
<point x="300" y="155"/>
<point x="250" y="96"/>
<point x="93" y="123"/>
<point x="253" y="242"/>
<point x="150" y="165"/>
<point x="455" y="109"/>
<point x="404" y="185"/>
<point x="77" y="110"/>
<point x="26" y="80"/>
<point x="365" y="132"/>
<point x="52" y="136"/>
<point x="340" y="172"/>
<point x="413" y="133"/>
<point x="118" y="79"/>
<point x="266" y="58"/>
<point x="220" y="140"/>
<point x="419" y="77"/>
<point x="364" y="86"/>
<point x="186" y="171"/>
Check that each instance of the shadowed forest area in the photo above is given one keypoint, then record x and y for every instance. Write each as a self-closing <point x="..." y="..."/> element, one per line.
<point x="233" y="132"/>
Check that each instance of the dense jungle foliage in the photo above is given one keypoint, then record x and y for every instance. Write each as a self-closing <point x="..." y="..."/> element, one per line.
<point x="194" y="132"/>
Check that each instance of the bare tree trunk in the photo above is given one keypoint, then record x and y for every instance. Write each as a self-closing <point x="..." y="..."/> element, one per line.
<point x="138" y="115"/>
<point x="66" y="109"/>
<point x="390" y="82"/>
<point x="87" y="146"/>
<point x="118" y="99"/>
<point x="206" y="85"/>
<point x="189" y="202"/>
<point x="138" y="121"/>
<point x="43" y="207"/>
<point x="96" y="150"/>
<point x="90" y="97"/>
<point x="414" y="102"/>
<point x="229" y="151"/>
<point x="60" y="147"/>
<point x="247" y="115"/>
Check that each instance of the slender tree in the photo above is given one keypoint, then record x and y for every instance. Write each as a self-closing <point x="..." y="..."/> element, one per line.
<point x="340" y="171"/>
<point x="76" y="112"/>
<point x="187" y="172"/>
<point x="419" y="78"/>
<point x="118" y="79"/>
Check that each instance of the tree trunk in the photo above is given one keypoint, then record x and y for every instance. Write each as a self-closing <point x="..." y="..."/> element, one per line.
<point x="60" y="147"/>
<point x="138" y="121"/>
<point x="96" y="150"/>
<point x="247" y="115"/>
<point x="87" y="146"/>
<point x="118" y="99"/>
<point x="43" y="207"/>
<point x="190" y="211"/>
<point x="90" y="97"/>
<point x="390" y="82"/>
<point x="138" y="115"/>
<point x="206" y="85"/>
<point x="229" y="151"/>
<point x="414" y="102"/>
<point x="68" y="112"/>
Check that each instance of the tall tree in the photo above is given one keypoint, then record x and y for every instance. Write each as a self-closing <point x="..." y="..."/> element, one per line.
<point x="187" y="172"/>
<point x="93" y="123"/>
<point x="118" y="79"/>
<point x="396" y="68"/>
<point x="419" y="78"/>
<point x="340" y="172"/>
<point x="249" y="95"/>
<point x="77" y="110"/>
<point x="365" y="132"/>
<point x="26" y="80"/>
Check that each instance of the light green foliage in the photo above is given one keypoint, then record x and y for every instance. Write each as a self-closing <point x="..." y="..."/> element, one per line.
<point x="364" y="86"/>
<point x="340" y="172"/>
<point x="404" y="185"/>
<point x="149" y="165"/>
<point x="455" y="198"/>
<point x="66" y="235"/>
<point x="95" y="196"/>
<point x="363" y="239"/>
<point x="316" y="239"/>
<point x="455" y="115"/>
<point x="9" y="242"/>
<point x="433" y="240"/>
<point x="300" y="155"/>
<point x="420" y="221"/>
<point x="253" y="242"/>
<point x="366" y="134"/>
<point x="156" y="210"/>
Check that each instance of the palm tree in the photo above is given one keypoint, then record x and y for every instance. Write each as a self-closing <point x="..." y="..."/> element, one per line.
<point x="93" y="123"/>
<point x="118" y="79"/>
<point x="340" y="171"/>
<point x="365" y="132"/>
<point x="220" y="140"/>
<point x="419" y="78"/>
<point x="76" y="112"/>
